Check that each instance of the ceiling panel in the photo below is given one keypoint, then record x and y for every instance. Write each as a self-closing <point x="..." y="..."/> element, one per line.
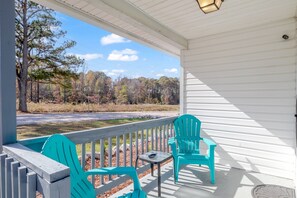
<point x="185" y="18"/>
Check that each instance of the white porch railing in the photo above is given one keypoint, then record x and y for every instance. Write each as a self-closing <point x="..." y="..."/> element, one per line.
<point x="108" y="146"/>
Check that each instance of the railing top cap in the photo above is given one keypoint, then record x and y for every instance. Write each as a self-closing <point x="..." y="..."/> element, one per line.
<point x="43" y="166"/>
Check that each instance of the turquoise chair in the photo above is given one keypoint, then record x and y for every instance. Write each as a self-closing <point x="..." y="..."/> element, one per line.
<point x="185" y="145"/>
<point x="61" y="149"/>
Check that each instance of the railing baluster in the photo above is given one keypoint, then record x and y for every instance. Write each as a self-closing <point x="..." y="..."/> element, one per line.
<point x="102" y="159"/>
<point x="156" y="137"/>
<point x="131" y="147"/>
<point x="136" y="143"/>
<point x="167" y="134"/>
<point x="93" y="144"/>
<point x="161" y="138"/>
<point x="142" y="144"/>
<point x="171" y="131"/>
<point x="31" y="185"/>
<point x="22" y="181"/>
<point x="8" y="162"/>
<point x="14" y="178"/>
<point x="146" y="141"/>
<point x="142" y="141"/>
<point x="125" y="148"/>
<point x="117" y="150"/>
<point x="109" y="154"/>
<point x="152" y="139"/>
<point x="2" y="174"/>
<point x="83" y="155"/>
<point x="164" y="138"/>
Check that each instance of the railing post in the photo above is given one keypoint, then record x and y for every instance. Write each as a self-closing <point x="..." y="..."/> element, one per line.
<point x="59" y="189"/>
<point x="7" y="73"/>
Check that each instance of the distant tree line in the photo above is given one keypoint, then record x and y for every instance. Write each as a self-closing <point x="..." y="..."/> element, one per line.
<point x="97" y="87"/>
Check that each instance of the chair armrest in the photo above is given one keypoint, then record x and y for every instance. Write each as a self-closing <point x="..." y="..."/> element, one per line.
<point x="209" y="142"/>
<point x="172" y="144"/>
<point x="131" y="171"/>
<point x="211" y="146"/>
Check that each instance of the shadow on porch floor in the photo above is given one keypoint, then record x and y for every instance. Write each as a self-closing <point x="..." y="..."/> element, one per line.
<point x="194" y="182"/>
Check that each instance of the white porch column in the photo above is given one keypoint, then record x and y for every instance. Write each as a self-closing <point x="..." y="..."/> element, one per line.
<point x="7" y="73"/>
<point x="181" y="85"/>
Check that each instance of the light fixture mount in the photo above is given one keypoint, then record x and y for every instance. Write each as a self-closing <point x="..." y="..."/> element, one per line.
<point x="208" y="6"/>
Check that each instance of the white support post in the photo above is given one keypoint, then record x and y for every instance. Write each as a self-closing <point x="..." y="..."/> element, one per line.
<point x="181" y="85"/>
<point x="7" y="73"/>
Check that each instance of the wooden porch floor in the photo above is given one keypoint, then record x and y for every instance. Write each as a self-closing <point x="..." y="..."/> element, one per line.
<point x="194" y="182"/>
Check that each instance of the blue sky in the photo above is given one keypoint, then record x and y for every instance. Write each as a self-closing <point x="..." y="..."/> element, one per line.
<point x="115" y="55"/>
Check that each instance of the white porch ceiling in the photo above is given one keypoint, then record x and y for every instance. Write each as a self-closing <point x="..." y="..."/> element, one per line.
<point x="169" y="24"/>
<point x="185" y="18"/>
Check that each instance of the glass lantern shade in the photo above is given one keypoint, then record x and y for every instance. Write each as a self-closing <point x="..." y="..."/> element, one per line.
<point x="208" y="6"/>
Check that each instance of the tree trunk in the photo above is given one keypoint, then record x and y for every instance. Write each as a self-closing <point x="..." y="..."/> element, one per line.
<point x="31" y="91"/>
<point x="23" y="95"/>
<point x="37" y="92"/>
<point x="64" y="95"/>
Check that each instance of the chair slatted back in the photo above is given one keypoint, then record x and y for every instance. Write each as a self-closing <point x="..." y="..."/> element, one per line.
<point x="187" y="133"/>
<point x="61" y="149"/>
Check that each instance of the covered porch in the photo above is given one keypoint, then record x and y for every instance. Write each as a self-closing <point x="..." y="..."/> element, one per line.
<point x="238" y="76"/>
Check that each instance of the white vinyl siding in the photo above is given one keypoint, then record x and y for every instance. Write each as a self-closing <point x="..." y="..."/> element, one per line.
<point x="242" y="86"/>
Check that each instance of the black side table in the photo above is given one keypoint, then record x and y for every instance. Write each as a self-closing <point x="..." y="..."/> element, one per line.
<point x="158" y="159"/>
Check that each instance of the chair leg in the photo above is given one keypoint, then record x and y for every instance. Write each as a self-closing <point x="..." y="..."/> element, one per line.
<point x="176" y="170"/>
<point x="212" y="172"/>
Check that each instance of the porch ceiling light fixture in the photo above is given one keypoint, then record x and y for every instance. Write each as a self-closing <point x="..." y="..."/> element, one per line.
<point x="208" y="6"/>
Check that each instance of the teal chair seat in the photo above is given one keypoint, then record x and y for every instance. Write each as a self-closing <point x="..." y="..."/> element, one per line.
<point x="185" y="145"/>
<point x="61" y="149"/>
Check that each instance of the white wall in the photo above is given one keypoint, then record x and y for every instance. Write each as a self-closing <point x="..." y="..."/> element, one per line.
<point x="242" y="86"/>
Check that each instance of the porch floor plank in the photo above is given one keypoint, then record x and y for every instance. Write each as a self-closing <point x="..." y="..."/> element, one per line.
<point x="194" y="182"/>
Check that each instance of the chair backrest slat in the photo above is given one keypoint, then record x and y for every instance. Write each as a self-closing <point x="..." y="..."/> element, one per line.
<point x="187" y="129"/>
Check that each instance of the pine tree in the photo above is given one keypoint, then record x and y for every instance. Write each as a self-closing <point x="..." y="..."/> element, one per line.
<point x="41" y="49"/>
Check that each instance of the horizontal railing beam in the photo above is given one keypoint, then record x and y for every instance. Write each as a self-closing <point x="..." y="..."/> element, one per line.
<point x="79" y="137"/>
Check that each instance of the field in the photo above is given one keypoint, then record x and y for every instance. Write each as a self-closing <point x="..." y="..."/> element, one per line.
<point x="50" y="107"/>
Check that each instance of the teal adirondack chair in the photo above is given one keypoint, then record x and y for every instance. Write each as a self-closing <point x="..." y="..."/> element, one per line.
<point x="61" y="149"/>
<point x="185" y="145"/>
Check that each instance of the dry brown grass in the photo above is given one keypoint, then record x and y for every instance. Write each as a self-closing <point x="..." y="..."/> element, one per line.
<point x="49" y="107"/>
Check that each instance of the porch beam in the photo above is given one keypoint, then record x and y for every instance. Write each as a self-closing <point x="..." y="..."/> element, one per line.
<point x="93" y="20"/>
<point x="128" y="13"/>
<point x="7" y="73"/>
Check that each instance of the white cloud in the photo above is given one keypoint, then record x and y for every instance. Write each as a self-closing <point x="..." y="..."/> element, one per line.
<point x="104" y="70"/>
<point x="159" y="75"/>
<point x="113" y="38"/>
<point x="172" y="70"/>
<point x="118" y="70"/>
<point x="88" y="57"/>
<point x="123" y="55"/>
<point x="113" y="72"/>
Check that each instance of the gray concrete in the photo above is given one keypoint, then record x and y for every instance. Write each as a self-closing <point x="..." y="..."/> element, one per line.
<point x="27" y="119"/>
<point x="7" y="73"/>
<point x="194" y="182"/>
